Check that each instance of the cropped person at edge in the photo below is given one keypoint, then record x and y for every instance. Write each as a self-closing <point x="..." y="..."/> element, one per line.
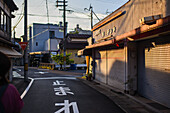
<point x="10" y="101"/>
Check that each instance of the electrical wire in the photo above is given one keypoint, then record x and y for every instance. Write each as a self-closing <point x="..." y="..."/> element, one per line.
<point x="40" y="33"/>
<point x="38" y="15"/>
<point x="19" y="18"/>
<point x="18" y="23"/>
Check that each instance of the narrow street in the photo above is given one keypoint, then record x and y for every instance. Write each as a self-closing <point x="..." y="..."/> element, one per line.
<point x="58" y="93"/>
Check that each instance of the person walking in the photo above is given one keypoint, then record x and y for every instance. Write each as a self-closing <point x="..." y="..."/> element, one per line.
<point x="10" y="101"/>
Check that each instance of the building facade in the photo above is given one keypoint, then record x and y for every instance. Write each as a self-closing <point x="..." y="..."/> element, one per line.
<point x="79" y="30"/>
<point x="44" y="40"/>
<point x="75" y="42"/>
<point x="132" y="49"/>
<point x="45" y="37"/>
<point x="6" y="46"/>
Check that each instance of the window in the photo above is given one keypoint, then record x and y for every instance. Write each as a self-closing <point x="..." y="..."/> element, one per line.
<point x="2" y="20"/>
<point x="8" y="24"/>
<point x="36" y="43"/>
<point x="52" y="34"/>
<point x="5" y="23"/>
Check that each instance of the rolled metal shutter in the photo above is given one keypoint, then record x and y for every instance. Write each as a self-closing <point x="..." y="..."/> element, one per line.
<point x="154" y="82"/>
<point x="116" y="68"/>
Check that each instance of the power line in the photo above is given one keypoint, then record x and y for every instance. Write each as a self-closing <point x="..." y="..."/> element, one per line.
<point x="79" y="11"/>
<point x="18" y="22"/>
<point x="40" y="33"/>
<point x="55" y="16"/>
<point x="19" y="18"/>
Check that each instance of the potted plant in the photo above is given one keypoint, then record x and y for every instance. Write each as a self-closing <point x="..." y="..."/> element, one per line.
<point x="89" y="76"/>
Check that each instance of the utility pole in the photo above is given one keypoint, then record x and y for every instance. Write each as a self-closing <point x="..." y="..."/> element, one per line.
<point x="91" y="13"/>
<point x="91" y="8"/>
<point x="14" y="36"/>
<point x="64" y="20"/>
<point x="25" y="40"/>
<point x="63" y="4"/>
<point x="92" y="40"/>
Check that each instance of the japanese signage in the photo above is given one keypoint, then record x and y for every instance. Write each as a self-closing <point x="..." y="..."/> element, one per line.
<point x="61" y="90"/>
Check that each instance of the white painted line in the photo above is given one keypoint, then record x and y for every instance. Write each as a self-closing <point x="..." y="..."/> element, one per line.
<point x="15" y="74"/>
<point x="40" y="72"/>
<point x="28" y="87"/>
<point x="51" y="78"/>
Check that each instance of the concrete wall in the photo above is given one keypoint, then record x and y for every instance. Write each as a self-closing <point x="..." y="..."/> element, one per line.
<point x="132" y="12"/>
<point x="52" y="44"/>
<point x="132" y="67"/>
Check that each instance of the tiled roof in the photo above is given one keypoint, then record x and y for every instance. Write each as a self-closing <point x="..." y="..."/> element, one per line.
<point x="76" y="45"/>
<point x="84" y="36"/>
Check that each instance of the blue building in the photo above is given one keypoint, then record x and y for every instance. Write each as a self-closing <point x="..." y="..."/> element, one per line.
<point x="44" y="40"/>
<point x="45" y="37"/>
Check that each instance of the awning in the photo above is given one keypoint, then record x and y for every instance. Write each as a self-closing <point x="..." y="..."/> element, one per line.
<point x="10" y="52"/>
<point x="40" y="52"/>
<point x="85" y="52"/>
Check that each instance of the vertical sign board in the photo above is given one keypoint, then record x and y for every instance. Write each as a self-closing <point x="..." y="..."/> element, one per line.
<point x="23" y="45"/>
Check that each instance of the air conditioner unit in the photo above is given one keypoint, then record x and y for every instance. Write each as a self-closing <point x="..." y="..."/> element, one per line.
<point x="150" y="19"/>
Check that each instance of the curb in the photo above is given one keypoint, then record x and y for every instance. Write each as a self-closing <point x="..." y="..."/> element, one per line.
<point x="144" y="104"/>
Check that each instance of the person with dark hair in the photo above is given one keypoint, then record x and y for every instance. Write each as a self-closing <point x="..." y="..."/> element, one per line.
<point x="10" y="101"/>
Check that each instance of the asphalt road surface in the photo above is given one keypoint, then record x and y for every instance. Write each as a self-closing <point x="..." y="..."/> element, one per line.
<point x="56" y="93"/>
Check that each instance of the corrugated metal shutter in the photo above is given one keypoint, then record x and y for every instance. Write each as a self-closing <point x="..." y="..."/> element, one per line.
<point x="116" y="68"/>
<point x="110" y="68"/>
<point x="100" y="58"/>
<point x="154" y="81"/>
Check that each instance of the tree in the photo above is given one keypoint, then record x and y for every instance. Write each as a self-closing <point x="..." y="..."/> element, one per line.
<point x="59" y="59"/>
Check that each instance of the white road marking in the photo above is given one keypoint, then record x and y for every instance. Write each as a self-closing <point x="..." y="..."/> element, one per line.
<point x="51" y="78"/>
<point x="27" y="89"/>
<point x="67" y="106"/>
<point x="15" y="74"/>
<point x="41" y="72"/>
<point x="62" y="91"/>
<point x="58" y="83"/>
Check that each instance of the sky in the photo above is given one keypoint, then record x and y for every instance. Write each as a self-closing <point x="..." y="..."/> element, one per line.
<point x="37" y="12"/>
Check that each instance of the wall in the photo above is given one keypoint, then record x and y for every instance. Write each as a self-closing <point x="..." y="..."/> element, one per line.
<point x="52" y="44"/>
<point x="129" y="20"/>
<point x="132" y="67"/>
<point x="5" y="33"/>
